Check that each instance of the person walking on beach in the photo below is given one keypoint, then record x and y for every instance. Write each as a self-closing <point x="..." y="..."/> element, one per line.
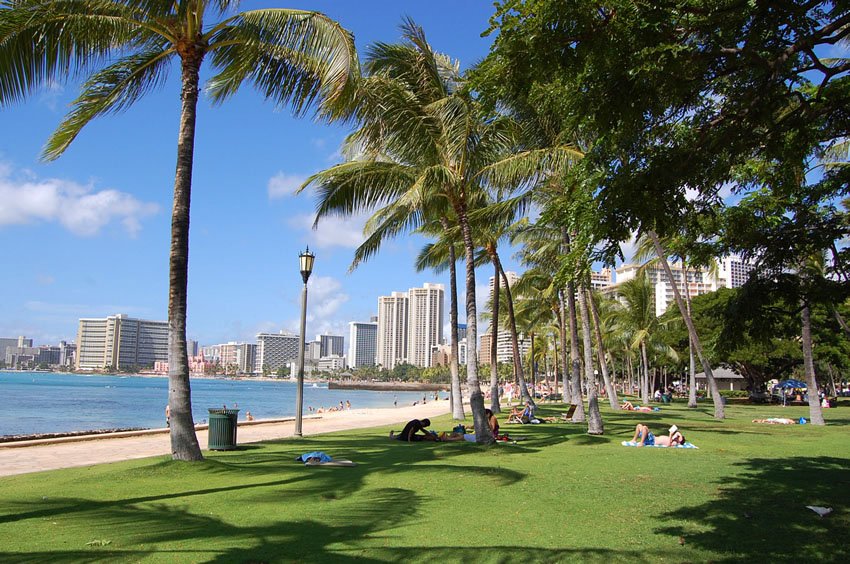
<point x="168" y="416"/>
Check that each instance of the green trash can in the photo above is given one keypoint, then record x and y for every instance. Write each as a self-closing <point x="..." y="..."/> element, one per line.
<point x="222" y="430"/>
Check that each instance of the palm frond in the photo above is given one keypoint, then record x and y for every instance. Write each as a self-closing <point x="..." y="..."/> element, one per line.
<point x="354" y="187"/>
<point x="45" y="41"/>
<point x="111" y="90"/>
<point x="293" y="57"/>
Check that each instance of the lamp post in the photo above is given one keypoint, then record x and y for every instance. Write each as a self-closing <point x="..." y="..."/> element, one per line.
<point x="306" y="259"/>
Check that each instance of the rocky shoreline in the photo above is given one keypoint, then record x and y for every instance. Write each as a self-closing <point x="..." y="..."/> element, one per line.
<point x="388" y="386"/>
<point x="37" y="436"/>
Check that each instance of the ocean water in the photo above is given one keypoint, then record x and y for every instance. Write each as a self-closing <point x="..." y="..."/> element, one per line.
<point x="43" y="402"/>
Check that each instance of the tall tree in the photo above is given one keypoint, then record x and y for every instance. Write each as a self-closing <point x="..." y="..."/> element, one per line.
<point x="125" y="48"/>
<point x="439" y="256"/>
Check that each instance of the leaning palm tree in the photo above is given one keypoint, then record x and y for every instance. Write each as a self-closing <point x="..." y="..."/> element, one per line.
<point x="291" y="56"/>
<point x="439" y="256"/>
<point x="421" y="139"/>
<point x="637" y="317"/>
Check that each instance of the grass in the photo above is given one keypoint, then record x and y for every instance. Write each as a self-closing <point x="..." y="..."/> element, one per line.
<point x="559" y="495"/>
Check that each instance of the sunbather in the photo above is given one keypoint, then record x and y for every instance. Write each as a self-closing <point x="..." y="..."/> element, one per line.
<point x="414" y="426"/>
<point x="644" y="437"/>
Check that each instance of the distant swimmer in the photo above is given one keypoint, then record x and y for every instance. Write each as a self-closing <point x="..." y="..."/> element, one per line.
<point x="248" y="416"/>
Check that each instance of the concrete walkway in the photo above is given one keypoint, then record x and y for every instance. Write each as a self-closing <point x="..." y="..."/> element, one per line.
<point x="51" y="454"/>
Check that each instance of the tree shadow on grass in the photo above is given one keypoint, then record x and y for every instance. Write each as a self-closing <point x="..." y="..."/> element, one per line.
<point x="761" y="515"/>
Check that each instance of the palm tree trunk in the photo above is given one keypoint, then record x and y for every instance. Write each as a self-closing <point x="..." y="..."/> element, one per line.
<point x="184" y="441"/>
<point x="575" y="360"/>
<point x="509" y="302"/>
<point x="562" y="329"/>
<point x="719" y="409"/>
<point x="476" y="398"/>
<point x="692" y="366"/>
<point x="644" y="381"/>
<point x="815" y="410"/>
<point x="613" y="401"/>
<point x="594" y="417"/>
<point x="454" y="367"/>
<point x="495" y="406"/>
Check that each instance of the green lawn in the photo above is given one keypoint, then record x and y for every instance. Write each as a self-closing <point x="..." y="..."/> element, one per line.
<point x="559" y="496"/>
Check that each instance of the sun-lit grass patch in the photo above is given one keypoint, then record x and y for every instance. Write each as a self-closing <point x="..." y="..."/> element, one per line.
<point x="559" y="495"/>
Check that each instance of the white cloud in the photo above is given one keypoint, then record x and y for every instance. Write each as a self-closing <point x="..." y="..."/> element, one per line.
<point x="51" y="95"/>
<point x="77" y="207"/>
<point x="325" y="297"/>
<point x="283" y="185"/>
<point x="332" y="231"/>
<point x="629" y="247"/>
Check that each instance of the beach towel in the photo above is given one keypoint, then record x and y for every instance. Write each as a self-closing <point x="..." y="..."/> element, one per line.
<point x="319" y="458"/>
<point x="634" y="444"/>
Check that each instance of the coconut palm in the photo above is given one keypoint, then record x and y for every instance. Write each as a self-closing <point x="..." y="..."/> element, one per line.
<point x="439" y="256"/>
<point x="637" y="316"/>
<point x="419" y="141"/>
<point x="125" y="48"/>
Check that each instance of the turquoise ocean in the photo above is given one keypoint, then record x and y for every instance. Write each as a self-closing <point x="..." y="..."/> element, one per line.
<point x="44" y="402"/>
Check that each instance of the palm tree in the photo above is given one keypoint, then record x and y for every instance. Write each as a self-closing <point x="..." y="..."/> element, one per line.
<point x="637" y="316"/>
<point x="439" y="256"/>
<point x="291" y="56"/>
<point x="719" y="409"/>
<point x="419" y="141"/>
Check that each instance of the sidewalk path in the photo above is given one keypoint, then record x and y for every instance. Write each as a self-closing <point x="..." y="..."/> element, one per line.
<point x="53" y="454"/>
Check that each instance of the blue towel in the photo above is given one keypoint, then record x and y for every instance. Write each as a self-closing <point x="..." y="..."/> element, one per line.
<point x="315" y="454"/>
<point x="634" y="444"/>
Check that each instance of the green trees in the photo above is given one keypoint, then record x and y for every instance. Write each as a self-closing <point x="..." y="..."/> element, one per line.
<point x="421" y="144"/>
<point x="124" y="48"/>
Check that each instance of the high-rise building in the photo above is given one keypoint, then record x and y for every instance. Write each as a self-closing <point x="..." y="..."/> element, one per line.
<point x="362" y="343"/>
<point x="331" y="345"/>
<point x="505" y="346"/>
<point x="120" y="341"/>
<point x="733" y="272"/>
<point x="425" y="322"/>
<point x="233" y="356"/>
<point x="602" y="279"/>
<point x="275" y="351"/>
<point x="16" y="342"/>
<point x="312" y="351"/>
<point x="512" y="279"/>
<point x="484" y="349"/>
<point x="461" y="331"/>
<point x="392" y="330"/>
<point x="192" y="347"/>
<point x="695" y="281"/>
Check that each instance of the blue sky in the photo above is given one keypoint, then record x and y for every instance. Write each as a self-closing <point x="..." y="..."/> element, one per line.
<point x="88" y="234"/>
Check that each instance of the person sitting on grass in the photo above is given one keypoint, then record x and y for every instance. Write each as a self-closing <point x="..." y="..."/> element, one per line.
<point x="414" y="426"/>
<point x="646" y="437"/>
<point x="493" y="422"/>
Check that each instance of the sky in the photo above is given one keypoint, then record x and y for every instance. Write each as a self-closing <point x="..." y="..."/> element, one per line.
<point x="88" y="235"/>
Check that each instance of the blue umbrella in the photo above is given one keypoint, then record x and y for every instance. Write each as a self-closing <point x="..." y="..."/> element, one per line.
<point x="792" y="384"/>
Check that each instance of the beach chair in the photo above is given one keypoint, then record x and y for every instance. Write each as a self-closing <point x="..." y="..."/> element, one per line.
<point x="568" y="416"/>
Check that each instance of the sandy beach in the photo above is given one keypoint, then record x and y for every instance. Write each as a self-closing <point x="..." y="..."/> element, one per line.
<point x="50" y="454"/>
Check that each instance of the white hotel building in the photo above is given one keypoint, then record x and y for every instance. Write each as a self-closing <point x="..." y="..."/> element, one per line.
<point x="410" y="325"/>
<point x="120" y="341"/>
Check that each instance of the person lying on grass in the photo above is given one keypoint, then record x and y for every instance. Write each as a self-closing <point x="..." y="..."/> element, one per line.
<point x="627" y="405"/>
<point x="414" y="426"/>
<point x="644" y="437"/>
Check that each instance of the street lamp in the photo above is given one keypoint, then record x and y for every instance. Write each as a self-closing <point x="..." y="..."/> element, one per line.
<point x="306" y="259"/>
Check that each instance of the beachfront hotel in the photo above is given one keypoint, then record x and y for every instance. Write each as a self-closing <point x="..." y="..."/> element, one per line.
<point x="425" y="325"/>
<point x="410" y="325"/>
<point x="392" y="330"/>
<point x="119" y="341"/>
<point x="362" y="343"/>
<point x="275" y="351"/>
<point x="331" y="345"/>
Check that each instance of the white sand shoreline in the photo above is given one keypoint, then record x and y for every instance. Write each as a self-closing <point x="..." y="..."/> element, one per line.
<point x="68" y="452"/>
